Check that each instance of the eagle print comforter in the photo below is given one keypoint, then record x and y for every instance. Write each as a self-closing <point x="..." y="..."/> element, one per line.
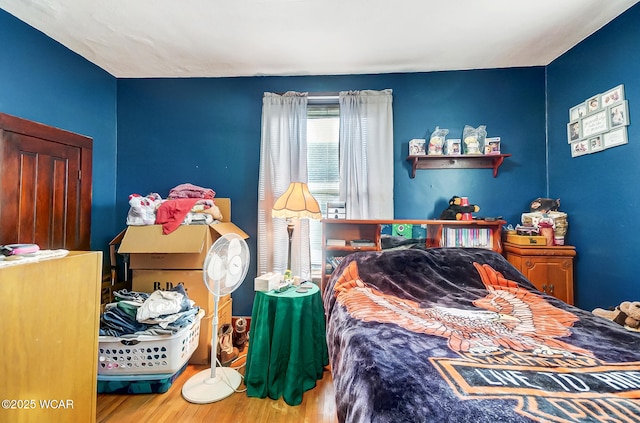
<point x="459" y="335"/>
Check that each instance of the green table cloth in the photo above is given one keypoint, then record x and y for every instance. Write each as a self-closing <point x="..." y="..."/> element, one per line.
<point x="287" y="345"/>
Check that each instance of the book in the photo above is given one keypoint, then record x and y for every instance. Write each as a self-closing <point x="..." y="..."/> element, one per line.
<point x="336" y="242"/>
<point x="362" y="243"/>
<point x="332" y="263"/>
<point x="467" y="237"/>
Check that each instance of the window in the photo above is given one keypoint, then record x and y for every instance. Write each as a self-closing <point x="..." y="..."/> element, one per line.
<point x="323" y="125"/>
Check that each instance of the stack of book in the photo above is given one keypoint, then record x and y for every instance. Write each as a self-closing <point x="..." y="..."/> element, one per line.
<point x="336" y="242"/>
<point x="357" y="243"/>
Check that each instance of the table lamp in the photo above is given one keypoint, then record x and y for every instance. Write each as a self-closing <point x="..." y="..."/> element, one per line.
<point x="296" y="203"/>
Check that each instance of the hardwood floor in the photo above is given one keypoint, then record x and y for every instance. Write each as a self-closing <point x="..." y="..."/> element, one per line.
<point x="318" y="406"/>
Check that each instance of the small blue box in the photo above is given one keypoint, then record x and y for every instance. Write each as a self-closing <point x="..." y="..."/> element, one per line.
<point x="137" y="384"/>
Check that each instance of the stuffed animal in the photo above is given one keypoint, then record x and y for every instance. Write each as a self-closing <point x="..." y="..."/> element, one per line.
<point x="456" y="209"/>
<point x="614" y="314"/>
<point x="627" y="314"/>
<point x="143" y="209"/>
<point x="545" y="205"/>
<point x="632" y="310"/>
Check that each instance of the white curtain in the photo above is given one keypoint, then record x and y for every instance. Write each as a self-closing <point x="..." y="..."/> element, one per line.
<point x="283" y="159"/>
<point x="366" y="153"/>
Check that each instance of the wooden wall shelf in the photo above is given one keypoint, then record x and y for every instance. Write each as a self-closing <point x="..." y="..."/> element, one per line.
<point x="482" y="161"/>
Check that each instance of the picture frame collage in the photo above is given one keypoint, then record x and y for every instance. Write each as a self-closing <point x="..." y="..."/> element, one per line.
<point x="600" y="122"/>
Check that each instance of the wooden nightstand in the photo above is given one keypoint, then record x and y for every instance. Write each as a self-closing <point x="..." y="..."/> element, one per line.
<point x="550" y="269"/>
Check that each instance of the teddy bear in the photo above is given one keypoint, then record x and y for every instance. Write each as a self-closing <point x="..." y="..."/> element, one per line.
<point x="142" y="210"/>
<point x="456" y="209"/>
<point x="627" y="314"/>
<point x="632" y="310"/>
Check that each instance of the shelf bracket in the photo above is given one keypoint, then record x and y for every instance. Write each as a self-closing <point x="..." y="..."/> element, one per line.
<point x="483" y="161"/>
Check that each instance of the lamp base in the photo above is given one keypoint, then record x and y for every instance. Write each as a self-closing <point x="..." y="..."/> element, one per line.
<point x="290" y="226"/>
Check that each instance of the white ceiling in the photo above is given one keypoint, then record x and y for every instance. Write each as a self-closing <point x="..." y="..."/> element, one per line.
<point x="219" y="38"/>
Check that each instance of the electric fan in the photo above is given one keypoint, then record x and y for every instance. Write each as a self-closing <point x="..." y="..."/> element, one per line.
<point x="224" y="269"/>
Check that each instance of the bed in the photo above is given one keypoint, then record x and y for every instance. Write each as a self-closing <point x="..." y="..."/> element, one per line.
<point x="459" y="335"/>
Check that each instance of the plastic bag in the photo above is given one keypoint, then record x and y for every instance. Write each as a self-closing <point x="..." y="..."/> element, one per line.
<point x="473" y="139"/>
<point x="436" y="142"/>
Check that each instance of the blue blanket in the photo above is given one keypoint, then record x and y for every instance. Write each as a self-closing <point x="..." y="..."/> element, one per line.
<point x="459" y="335"/>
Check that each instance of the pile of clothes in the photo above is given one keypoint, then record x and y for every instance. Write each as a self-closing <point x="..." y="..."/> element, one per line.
<point x="186" y="204"/>
<point x="140" y="313"/>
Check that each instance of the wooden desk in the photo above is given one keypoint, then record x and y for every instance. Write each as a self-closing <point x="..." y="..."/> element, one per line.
<point x="287" y="346"/>
<point x="49" y="314"/>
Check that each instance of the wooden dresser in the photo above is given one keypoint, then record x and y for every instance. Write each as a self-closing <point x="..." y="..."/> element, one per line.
<point x="550" y="269"/>
<point x="49" y="316"/>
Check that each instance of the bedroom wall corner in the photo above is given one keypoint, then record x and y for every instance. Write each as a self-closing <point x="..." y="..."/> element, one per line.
<point x="43" y="81"/>
<point x="599" y="190"/>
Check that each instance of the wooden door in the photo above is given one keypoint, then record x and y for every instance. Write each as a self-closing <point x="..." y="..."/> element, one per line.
<point x="46" y="185"/>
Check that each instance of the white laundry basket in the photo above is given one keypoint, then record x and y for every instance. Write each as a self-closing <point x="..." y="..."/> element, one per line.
<point x="146" y="354"/>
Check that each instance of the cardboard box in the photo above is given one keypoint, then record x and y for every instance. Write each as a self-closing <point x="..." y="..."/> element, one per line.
<point x="526" y="239"/>
<point x="184" y="248"/>
<point x="164" y="280"/>
<point x="202" y="354"/>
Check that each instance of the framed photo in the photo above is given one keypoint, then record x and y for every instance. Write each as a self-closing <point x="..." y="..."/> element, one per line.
<point x="619" y="114"/>
<point x="615" y="137"/>
<point x="573" y="131"/>
<point x="612" y="96"/>
<point x="593" y="104"/>
<point x="596" y="144"/>
<point x="576" y="112"/>
<point x="593" y="124"/>
<point x="579" y="148"/>
<point x="598" y="123"/>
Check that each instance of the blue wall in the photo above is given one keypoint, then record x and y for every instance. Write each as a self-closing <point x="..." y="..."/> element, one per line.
<point x="43" y="81"/>
<point x="598" y="191"/>
<point x="207" y="132"/>
<point x="152" y="134"/>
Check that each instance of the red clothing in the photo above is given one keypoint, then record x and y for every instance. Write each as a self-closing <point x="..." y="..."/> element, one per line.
<point x="191" y="191"/>
<point x="171" y="213"/>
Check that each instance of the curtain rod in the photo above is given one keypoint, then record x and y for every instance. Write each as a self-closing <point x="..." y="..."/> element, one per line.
<point x="327" y="94"/>
<point x="321" y="98"/>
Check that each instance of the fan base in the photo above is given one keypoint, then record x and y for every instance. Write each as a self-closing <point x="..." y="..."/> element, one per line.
<point x="201" y="388"/>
